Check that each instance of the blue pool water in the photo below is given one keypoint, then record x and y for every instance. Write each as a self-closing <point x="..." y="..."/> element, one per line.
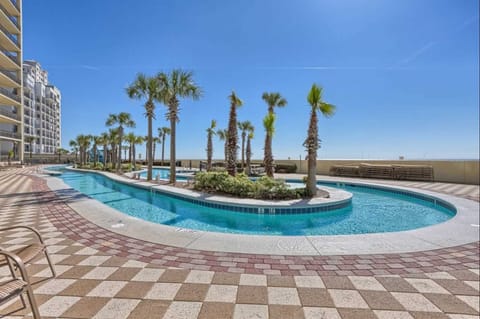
<point x="372" y="211"/>
<point x="163" y="173"/>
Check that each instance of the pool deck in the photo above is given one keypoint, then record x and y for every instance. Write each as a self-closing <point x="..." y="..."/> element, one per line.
<point x="105" y="274"/>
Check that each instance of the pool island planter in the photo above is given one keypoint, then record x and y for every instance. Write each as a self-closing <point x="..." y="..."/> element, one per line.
<point x="337" y="199"/>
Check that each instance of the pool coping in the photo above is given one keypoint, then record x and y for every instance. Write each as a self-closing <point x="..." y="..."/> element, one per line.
<point x="459" y="230"/>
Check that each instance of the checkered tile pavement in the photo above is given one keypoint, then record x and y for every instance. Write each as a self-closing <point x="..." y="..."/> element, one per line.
<point x="94" y="282"/>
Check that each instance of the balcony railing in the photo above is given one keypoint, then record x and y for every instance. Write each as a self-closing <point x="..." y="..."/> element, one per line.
<point x="9" y="35"/>
<point x="10" y="75"/>
<point x="9" y="114"/>
<point x="12" y="57"/>
<point x="10" y="134"/>
<point x="6" y="92"/>
<point x="13" y="19"/>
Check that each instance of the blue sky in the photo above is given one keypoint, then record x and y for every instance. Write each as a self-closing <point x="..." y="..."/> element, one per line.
<point x="404" y="75"/>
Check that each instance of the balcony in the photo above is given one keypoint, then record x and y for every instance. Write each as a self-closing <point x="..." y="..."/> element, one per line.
<point x="9" y="60"/>
<point x="8" y="79"/>
<point x="10" y="135"/>
<point x="10" y="23"/>
<point x="11" y="6"/>
<point x="8" y="98"/>
<point x="9" y="116"/>
<point x="8" y="41"/>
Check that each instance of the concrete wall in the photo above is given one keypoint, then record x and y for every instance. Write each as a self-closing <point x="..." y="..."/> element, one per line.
<point x="453" y="171"/>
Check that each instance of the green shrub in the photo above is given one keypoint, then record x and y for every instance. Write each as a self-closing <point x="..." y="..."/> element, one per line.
<point x="242" y="186"/>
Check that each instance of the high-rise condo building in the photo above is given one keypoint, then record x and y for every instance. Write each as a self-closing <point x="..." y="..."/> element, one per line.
<point x="11" y="106"/>
<point x="42" y="109"/>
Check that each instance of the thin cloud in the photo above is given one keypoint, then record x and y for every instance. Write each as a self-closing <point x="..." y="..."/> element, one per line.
<point x="431" y="43"/>
<point x="89" y="67"/>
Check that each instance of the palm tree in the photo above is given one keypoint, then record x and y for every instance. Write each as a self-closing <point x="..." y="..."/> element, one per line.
<point x="113" y="140"/>
<point x="137" y="141"/>
<point x="273" y="100"/>
<point x="83" y="142"/>
<point x="146" y="88"/>
<point x="162" y="134"/>
<point x="223" y="136"/>
<point x="74" y="145"/>
<point x="156" y="140"/>
<point x="97" y="140"/>
<point x="248" y="151"/>
<point x="232" y="134"/>
<point x="210" y="133"/>
<point x="312" y="144"/>
<point x="60" y="152"/>
<point x="29" y="140"/>
<point x="122" y="119"/>
<point x="130" y="139"/>
<point x="177" y="84"/>
<point x="105" y="141"/>
<point x="244" y="127"/>
<point x="269" y="125"/>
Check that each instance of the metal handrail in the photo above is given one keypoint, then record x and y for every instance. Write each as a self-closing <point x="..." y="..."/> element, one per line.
<point x="6" y="92"/>
<point x="7" y="73"/>
<point x="12" y="115"/>
<point x="10" y="134"/>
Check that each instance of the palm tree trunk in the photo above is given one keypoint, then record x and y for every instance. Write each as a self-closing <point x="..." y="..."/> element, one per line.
<point x="173" y="129"/>
<point x="163" y="149"/>
<point x="134" y="150"/>
<point x="120" y="138"/>
<point x="149" y="147"/>
<point x="248" y="155"/>
<point x="209" y="152"/>
<point x="243" y="149"/>
<point x="312" y="146"/>
<point x="225" y="150"/>
<point x="94" y="156"/>
<point x="153" y="153"/>
<point x="232" y="142"/>
<point x="104" y="156"/>
<point x="268" y="158"/>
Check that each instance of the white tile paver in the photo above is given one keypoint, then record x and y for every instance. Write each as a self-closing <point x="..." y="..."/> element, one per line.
<point x="182" y="310"/>
<point x="366" y="283"/>
<point x="200" y="277"/>
<point x="426" y="286"/>
<point x="388" y="314"/>
<point x="472" y="301"/>
<point x="347" y="299"/>
<point x="250" y="312"/>
<point x="283" y="296"/>
<point x="117" y="309"/>
<point x="309" y="282"/>
<point x="415" y="302"/>
<point x="318" y="312"/>
<point x="253" y="280"/>
<point x="222" y="293"/>
<point x="57" y="305"/>
<point x="54" y="287"/>
<point x="94" y="260"/>
<point x="100" y="273"/>
<point x="163" y="291"/>
<point x="148" y="274"/>
<point x="107" y="289"/>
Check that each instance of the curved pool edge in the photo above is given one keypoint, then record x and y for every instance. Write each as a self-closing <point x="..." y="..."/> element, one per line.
<point x="454" y="232"/>
<point x="338" y="198"/>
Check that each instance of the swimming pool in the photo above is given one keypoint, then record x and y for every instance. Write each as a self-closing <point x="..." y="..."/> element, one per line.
<point x="372" y="210"/>
<point x="164" y="173"/>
